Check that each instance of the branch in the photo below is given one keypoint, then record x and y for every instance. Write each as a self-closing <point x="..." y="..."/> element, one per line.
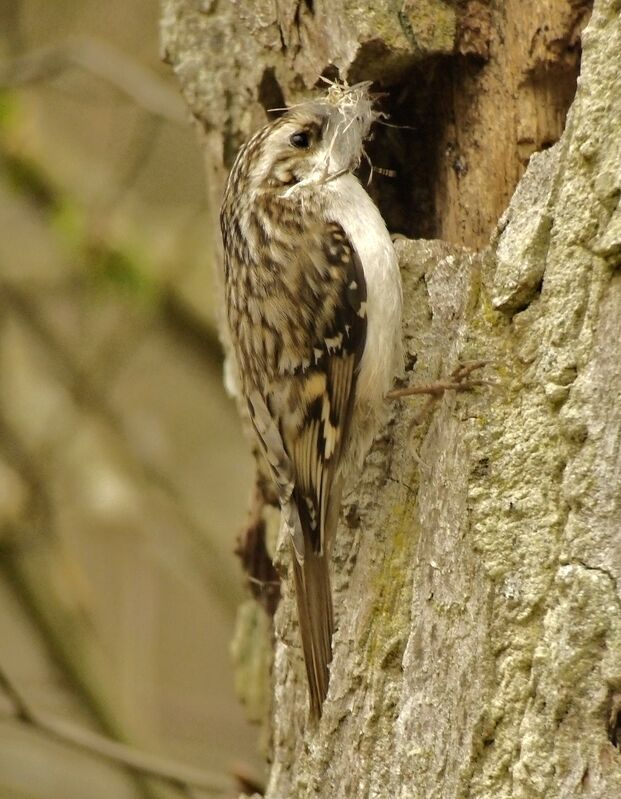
<point x="179" y="775"/>
<point x="133" y="80"/>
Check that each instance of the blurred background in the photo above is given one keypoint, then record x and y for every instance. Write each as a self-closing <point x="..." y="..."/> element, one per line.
<point x="124" y="477"/>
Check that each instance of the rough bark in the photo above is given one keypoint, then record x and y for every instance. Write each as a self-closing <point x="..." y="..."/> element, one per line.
<point x="477" y="573"/>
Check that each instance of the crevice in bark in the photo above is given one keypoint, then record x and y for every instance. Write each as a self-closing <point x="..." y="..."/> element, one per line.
<point x="263" y="579"/>
<point x="271" y="95"/>
<point x="614" y="720"/>
<point x="533" y="295"/>
<point x="606" y="573"/>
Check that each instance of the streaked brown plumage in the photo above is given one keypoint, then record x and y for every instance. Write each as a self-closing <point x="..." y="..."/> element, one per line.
<point x="307" y="257"/>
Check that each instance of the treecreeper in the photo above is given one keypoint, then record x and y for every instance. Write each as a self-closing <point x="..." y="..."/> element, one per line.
<point x="313" y="302"/>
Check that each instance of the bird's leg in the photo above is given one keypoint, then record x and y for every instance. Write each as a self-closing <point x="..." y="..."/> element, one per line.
<point x="456" y="382"/>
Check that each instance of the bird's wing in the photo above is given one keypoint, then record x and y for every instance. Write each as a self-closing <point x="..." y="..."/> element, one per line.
<point x="303" y="420"/>
<point x="303" y="416"/>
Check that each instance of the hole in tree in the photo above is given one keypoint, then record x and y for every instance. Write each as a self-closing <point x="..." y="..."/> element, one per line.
<point x="457" y="158"/>
<point x="456" y="153"/>
<point x="408" y="142"/>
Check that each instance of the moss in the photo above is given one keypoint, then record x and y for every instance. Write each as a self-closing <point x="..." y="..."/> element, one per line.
<point x="486" y="311"/>
<point x="391" y="588"/>
<point x="431" y="26"/>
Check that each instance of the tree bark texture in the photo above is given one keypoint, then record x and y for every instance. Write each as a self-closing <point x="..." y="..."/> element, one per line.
<point x="477" y="571"/>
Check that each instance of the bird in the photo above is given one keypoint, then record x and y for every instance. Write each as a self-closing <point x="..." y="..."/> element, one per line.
<point x="313" y="300"/>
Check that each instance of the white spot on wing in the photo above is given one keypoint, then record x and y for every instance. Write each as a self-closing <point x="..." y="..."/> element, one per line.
<point x="330" y="432"/>
<point x="335" y="343"/>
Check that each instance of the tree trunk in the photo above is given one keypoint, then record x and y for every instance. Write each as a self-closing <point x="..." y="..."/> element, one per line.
<point x="477" y="572"/>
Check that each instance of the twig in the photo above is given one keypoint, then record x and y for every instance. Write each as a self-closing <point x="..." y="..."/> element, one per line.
<point x="435" y="389"/>
<point x="177" y="774"/>
<point x="129" y="77"/>
<point x="456" y="382"/>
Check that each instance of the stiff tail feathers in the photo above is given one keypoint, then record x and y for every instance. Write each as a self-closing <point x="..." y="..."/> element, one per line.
<point x="316" y="620"/>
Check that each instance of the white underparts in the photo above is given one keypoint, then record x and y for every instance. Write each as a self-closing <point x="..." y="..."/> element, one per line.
<point x="348" y="204"/>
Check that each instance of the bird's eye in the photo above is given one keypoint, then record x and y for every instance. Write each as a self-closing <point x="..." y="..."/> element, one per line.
<point x="300" y="140"/>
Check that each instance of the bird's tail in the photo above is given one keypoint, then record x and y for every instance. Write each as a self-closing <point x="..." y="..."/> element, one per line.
<point x="314" y="599"/>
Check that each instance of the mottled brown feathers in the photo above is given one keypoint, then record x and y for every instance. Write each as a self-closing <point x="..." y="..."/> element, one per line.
<point x="296" y="300"/>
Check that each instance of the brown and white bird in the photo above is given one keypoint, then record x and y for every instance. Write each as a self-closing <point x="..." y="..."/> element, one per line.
<point x="313" y="299"/>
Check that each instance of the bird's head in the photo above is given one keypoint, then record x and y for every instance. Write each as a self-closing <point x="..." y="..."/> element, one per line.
<point x="313" y="142"/>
